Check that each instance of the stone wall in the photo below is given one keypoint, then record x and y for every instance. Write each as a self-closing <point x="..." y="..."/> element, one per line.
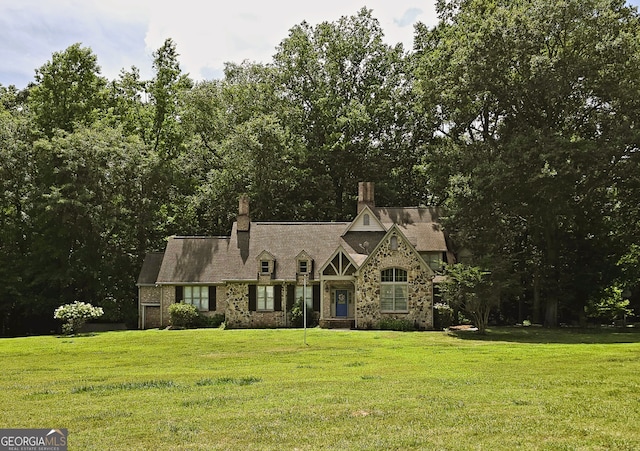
<point x="237" y="314"/>
<point x="420" y="287"/>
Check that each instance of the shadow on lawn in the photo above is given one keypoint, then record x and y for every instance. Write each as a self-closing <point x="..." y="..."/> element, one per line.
<point x="562" y="335"/>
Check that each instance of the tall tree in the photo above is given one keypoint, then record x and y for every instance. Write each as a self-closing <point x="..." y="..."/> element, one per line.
<point x="538" y="105"/>
<point x="68" y="89"/>
<point x="342" y="80"/>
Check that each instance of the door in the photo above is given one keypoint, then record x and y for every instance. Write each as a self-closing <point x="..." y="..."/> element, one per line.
<point x="342" y="303"/>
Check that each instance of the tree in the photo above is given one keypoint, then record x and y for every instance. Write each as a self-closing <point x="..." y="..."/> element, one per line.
<point x="537" y="102"/>
<point x="344" y="87"/>
<point x="68" y="90"/>
<point x="471" y="288"/>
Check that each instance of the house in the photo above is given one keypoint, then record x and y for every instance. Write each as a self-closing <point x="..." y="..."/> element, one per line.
<point x="352" y="274"/>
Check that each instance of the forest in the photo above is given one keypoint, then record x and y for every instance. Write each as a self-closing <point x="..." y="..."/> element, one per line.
<point x="519" y="118"/>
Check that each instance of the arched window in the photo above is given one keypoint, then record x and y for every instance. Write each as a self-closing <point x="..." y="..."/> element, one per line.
<point x="365" y="219"/>
<point x="393" y="290"/>
<point x="394" y="243"/>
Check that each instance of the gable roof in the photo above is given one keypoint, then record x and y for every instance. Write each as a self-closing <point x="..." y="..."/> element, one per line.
<point x="419" y="224"/>
<point x="150" y="269"/>
<point x="210" y="260"/>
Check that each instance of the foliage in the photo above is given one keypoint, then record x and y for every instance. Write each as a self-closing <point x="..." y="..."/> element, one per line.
<point x="399" y="324"/>
<point x="537" y="157"/>
<point x="297" y="314"/>
<point x="209" y="321"/>
<point x="610" y="306"/>
<point x="471" y="289"/>
<point x="183" y="315"/>
<point x="519" y="117"/>
<point x="442" y="316"/>
<point x="75" y="315"/>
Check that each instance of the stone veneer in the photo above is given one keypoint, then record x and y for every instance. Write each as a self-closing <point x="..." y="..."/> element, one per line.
<point x="237" y="314"/>
<point x="419" y="280"/>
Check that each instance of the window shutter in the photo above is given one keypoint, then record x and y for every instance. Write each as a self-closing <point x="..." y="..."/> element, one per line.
<point x="252" y="298"/>
<point x="212" y="298"/>
<point x="311" y="269"/>
<point x="291" y="296"/>
<point x="316" y="298"/>
<point x="273" y="269"/>
<point x="179" y="294"/>
<point x="277" y="298"/>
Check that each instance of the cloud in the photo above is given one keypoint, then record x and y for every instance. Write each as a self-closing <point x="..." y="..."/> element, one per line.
<point x="408" y="18"/>
<point x="123" y="33"/>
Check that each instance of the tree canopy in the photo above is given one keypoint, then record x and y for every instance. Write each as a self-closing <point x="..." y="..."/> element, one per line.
<point x="519" y="118"/>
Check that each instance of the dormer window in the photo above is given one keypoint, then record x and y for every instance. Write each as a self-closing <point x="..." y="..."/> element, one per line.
<point x="266" y="264"/>
<point x="304" y="264"/>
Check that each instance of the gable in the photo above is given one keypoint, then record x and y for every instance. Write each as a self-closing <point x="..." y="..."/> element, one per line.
<point x="396" y="257"/>
<point x="366" y="221"/>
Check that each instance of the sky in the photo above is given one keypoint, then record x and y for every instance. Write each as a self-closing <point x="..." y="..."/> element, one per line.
<point x="125" y="33"/>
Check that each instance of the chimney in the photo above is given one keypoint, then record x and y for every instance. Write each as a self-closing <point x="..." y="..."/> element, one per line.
<point x="365" y="195"/>
<point x="244" y="221"/>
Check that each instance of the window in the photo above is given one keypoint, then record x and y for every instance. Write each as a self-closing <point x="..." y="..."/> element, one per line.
<point x="264" y="267"/>
<point x="303" y="267"/>
<point x="308" y="297"/>
<point x="434" y="260"/>
<point x="196" y="295"/>
<point x="264" y="297"/>
<point x="365" y="219"/>
<point x="394" y="243"/>
<point x="393" y="290"/>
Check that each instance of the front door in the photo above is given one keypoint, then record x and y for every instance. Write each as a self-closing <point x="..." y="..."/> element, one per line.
<point x="342" y="303"/>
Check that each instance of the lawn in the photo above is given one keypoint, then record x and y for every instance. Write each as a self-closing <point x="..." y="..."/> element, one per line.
<point x="265" y="389"/>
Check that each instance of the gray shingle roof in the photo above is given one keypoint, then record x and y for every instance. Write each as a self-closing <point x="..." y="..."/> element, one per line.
<point x="150" y="268"/>
<point x="207" y="260"/>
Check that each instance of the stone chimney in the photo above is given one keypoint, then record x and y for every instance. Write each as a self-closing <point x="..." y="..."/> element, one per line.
<point x="365" y="195"/>
<point x="244" y="222"/>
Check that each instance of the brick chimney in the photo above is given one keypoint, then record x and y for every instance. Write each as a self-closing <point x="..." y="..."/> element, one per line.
<point x="244" y="222"/>
<point x="365" y="195"/>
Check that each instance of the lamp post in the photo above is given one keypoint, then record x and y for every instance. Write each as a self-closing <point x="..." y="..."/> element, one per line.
<point x="304" y="308"/>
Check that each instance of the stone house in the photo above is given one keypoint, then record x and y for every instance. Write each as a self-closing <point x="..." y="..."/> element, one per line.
<point x="352" y="274"/>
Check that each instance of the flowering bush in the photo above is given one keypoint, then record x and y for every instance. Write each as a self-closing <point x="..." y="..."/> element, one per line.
<point x="75" y="315"/>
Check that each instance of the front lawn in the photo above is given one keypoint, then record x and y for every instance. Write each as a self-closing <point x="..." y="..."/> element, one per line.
<point x="264" y="389"/>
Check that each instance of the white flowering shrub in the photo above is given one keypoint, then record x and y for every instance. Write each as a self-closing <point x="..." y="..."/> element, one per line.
<point x="75" y="315"/>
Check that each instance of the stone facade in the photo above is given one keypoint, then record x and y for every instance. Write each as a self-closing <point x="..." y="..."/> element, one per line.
<point x="237" y="314"/>
<point x="419" y="284"/>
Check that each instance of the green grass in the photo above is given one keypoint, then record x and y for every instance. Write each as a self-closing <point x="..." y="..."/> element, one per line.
<point x="264" y="389"/>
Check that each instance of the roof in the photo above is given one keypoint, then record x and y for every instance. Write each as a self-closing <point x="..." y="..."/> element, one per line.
<point x="419" y="224"/>
<point x="207" y="260"/>
<point x="150" y="268"/>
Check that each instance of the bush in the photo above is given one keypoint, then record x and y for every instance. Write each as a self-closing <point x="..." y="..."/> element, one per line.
<point x="207" y="321"/>
<point x="297" y="315"/>
<point x="396" y="324"/>
<point x="442" y="316"/>
<point x="76" y="315"/>
<point x="183" y="315"/>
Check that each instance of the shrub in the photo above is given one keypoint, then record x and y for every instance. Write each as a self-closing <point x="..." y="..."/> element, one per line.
<point x="209" y="321"/>
<point x="396" y="324"/>
<point x="442" y="316"/>
<point x="183" y="315"/>
<point x="75" y="315"/>
<point x="297" y="315"/>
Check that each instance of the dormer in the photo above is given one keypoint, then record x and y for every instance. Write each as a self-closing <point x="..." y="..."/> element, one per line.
<point x="266" y="265"/>
<point x="304" y="265"/>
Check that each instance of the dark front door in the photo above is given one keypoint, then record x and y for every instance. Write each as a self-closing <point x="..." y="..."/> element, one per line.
<point x="342" y="303"/>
